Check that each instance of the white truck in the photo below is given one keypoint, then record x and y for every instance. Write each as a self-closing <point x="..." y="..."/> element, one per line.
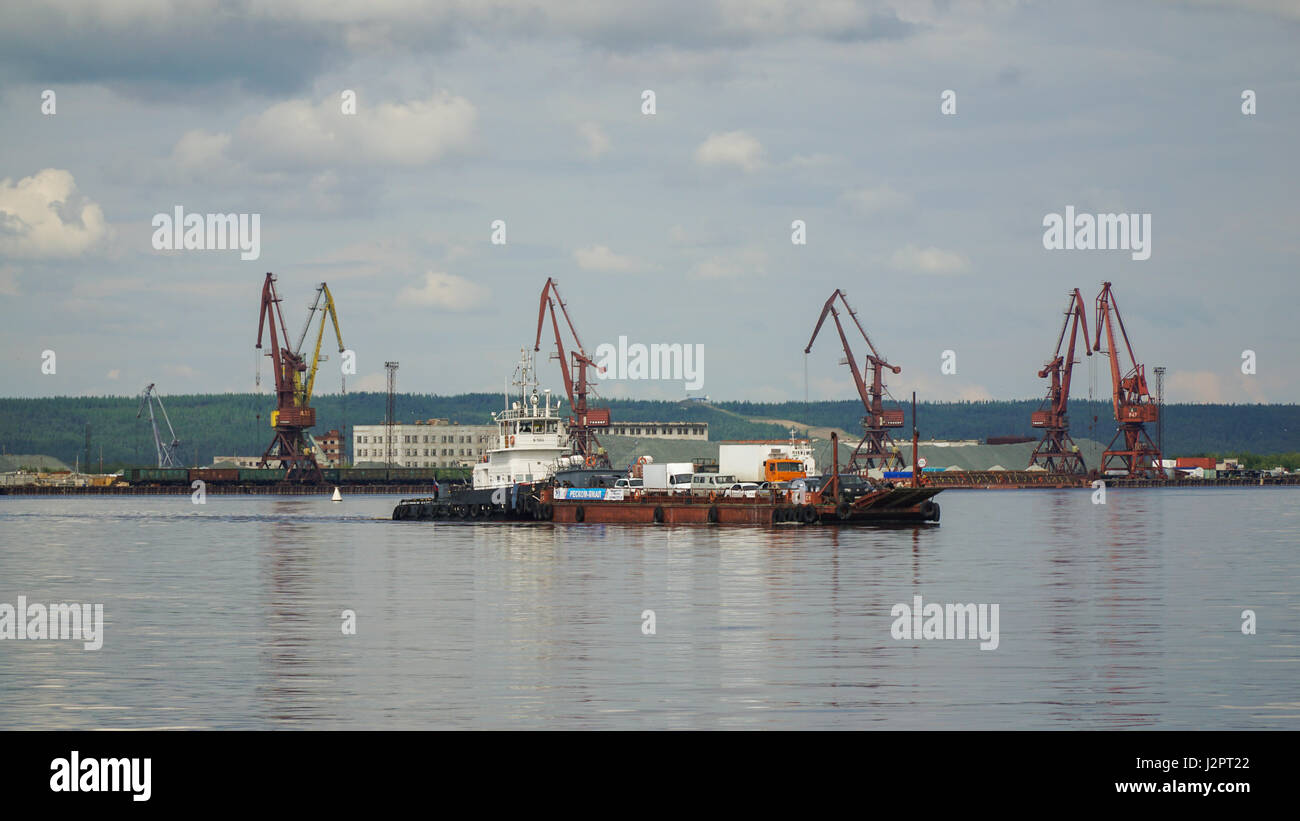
<point x="745" y="460"/>
<point x="667" y="476"/>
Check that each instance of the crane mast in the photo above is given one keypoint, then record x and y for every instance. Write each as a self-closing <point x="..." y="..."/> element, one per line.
<point x="293" y="416"/>
<point x="1057" y="452"/>
<point x="584" y="421"/>
<point x="168" y="452"/>
<point x="876" y="444"/>
<point x="1133" y="403"/>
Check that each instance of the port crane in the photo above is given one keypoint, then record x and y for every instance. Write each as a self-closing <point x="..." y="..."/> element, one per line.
<point x="1057" y="452"/>
<point x="295" y="378"/>
<point x="876" y="444"/>
<point x="1134" y="405"/>
<point x="584" y="419"/>
<point x="168" y="452"/>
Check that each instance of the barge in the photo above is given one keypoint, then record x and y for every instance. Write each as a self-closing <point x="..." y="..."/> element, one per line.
<point x="537" y="471"/>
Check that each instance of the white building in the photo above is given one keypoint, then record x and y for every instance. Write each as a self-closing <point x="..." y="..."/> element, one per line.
<point x="425" y="444"/>
<point x="660" y="430"/>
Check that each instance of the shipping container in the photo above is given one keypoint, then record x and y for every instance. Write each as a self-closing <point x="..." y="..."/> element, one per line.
<point x="1195" y="462"/>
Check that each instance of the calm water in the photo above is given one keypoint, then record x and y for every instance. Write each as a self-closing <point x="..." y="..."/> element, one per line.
<point x="228" y="615"/>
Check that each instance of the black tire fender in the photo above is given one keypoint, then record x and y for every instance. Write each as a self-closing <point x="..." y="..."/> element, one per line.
<point x="659" y="515"/>
<point x="713" y="514"/>
<point x="579" y="515"/>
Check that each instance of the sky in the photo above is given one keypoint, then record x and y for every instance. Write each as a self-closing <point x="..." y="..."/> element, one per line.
<point x="672" y="227"/>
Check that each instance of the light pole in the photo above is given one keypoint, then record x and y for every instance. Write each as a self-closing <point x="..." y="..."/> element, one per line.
<point x="1160" y="422"/>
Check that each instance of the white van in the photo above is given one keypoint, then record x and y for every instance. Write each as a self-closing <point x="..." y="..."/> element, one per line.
<point x="706" y="483"/>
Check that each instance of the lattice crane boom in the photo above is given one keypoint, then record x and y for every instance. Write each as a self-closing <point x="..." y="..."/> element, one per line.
<point x="584" y="419"/>
<point x="876" y="444"/>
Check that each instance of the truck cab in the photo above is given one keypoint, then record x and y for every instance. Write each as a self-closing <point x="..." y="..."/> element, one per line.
<point x="782" y="469"/>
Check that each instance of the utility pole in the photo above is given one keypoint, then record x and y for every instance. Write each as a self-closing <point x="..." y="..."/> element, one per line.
<point x="390" y="417"/>
<point x="1160" y="421"/>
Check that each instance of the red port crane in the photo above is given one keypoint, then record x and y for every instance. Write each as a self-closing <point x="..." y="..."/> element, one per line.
<point x="583" y="420"/>
<point x="876" y="444"/>
<point x="1057" y="451"/>
<point x="1134" y="405"/>
<point x="294" y="378"/>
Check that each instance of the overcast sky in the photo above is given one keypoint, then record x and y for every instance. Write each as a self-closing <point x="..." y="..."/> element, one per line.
<point x="671" y="227"/>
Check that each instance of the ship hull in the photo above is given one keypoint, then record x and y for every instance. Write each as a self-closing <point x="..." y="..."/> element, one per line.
<point x="898" y="505"/>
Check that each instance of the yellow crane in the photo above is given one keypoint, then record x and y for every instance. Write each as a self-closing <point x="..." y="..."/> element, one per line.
<point x="324" y="303"/>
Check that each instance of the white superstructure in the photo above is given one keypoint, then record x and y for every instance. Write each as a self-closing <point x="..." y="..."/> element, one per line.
<point x="532" y="438"/>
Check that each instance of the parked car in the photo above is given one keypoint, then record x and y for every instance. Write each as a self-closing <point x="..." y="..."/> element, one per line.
<point x="742" y="490"/>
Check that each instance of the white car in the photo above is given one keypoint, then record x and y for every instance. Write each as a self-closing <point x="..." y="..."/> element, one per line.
<point x="742" y="490"/>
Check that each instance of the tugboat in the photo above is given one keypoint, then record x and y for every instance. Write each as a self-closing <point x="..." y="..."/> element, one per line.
<point x="532" y="440"/>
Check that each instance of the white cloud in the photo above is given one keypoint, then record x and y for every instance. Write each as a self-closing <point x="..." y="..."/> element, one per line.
<point x="44" y="216"/>
<point x="596" y="138"/>
<point x="446" y="292"/>
<point x="298" y="133"/>
<point x="749" y="262"/>
<point x="734" y="148"/>
<point x="929" y="261"/>
<point x="600" y="258"/>
<point x="874" y="200"/>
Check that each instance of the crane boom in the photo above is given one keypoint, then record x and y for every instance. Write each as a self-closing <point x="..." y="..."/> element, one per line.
<point x="322" y="292"/>
<point x="1057" y="451"/>
<point x="293" y="415"/>
<point x="1134" y="406"/>
<point x="584" y="419"/>
<point x="876" y="443"/>
<point x="168" y="452"/>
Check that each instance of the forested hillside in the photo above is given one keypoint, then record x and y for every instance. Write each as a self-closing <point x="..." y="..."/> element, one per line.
<point x="238" y="424"/>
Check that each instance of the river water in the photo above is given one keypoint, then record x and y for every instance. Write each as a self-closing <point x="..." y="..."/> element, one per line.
<point x="230" y="614"/>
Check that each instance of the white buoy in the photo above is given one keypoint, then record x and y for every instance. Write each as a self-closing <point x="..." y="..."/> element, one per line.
<point x="337" y="497"/>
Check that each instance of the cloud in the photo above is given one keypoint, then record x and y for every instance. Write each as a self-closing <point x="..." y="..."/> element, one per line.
<point x="8" y="280"/>
<point x="299" y="133"/>
<point x="596" y="139"/>
<point x="600" y="258"/>
<point x="44" y="216"/>
<point x="445" y="292"/>
<point x="874" y="200"/>
<point x="734" y="148"/>
<point x="928" y="261"/>
<point x="748" y="262"/>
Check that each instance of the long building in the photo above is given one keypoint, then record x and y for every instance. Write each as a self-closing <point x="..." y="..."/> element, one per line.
<point x="425" y="444"/>
<point x="698" y="431"/>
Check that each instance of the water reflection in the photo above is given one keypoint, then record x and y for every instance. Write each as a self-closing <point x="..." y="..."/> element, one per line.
<point x="1114" y="615"/>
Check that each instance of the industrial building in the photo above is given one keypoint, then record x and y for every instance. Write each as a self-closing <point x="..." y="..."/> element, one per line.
<point x="427" y="443"/>
<point x="698" y="431"/>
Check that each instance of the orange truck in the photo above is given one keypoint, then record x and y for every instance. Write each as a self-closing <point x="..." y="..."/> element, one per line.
<point x="782" y="469"/>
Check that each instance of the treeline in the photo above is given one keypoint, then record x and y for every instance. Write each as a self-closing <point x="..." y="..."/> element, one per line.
<point x="1188" y="429"/>
<point x="211" y="425"/>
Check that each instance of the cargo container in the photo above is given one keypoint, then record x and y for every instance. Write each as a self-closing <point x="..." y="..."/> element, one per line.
<point x="261" y="475"/>
<point x="1206" y="462"/>
<point x="215" y="474"/>
<point x="157" y="476"/>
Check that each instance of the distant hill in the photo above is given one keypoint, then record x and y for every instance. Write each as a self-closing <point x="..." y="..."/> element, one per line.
<point x="211" y="425"/>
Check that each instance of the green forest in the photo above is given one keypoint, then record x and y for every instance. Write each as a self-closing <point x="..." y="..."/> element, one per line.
<point x="69" y="428"/>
